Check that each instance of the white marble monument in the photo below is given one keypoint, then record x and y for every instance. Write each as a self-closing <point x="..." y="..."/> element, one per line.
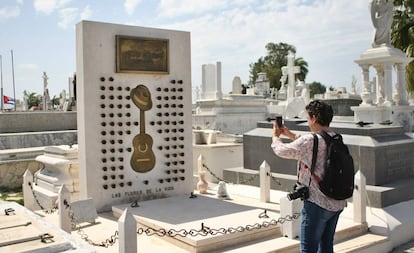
<point x="134" y="113"/>
<point x="384" y="106"/>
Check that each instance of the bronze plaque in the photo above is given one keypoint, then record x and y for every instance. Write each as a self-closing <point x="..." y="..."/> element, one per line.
<point x="141" y="55"/>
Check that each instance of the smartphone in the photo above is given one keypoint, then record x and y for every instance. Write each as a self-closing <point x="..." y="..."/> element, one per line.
<point x="279" y="121"/>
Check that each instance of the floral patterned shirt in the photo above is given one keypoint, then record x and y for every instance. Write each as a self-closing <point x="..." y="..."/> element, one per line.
<point x="301" y="149"/>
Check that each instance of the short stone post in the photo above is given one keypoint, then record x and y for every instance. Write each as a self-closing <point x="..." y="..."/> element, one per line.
<point x="200" y="162"/>
<point x="265" y="182"/>
<point x="65" y="222"/>
<point x="290" y="229"/>
<point x="127" y="227"/>
<point x="29" y="200"/>
<point x="359" y="198"/>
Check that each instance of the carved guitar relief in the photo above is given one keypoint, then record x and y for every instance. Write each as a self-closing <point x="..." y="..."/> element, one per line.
<point x="143" y="158"/>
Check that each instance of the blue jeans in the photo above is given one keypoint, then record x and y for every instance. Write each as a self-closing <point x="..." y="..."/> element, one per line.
<point x="317" y="228"/>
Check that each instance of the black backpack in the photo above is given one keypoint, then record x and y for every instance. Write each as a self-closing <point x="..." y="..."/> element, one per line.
<point x="338" y="179"/>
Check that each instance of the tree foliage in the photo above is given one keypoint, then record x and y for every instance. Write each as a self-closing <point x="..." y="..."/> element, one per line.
<point x="402" y="35"/>
<point x="272" y="64"/>
<point x="33" y="99"/>
<point x="316" y="88"/>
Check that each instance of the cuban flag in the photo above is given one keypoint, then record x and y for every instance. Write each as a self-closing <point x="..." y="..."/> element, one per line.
<point x="8" y="100"/>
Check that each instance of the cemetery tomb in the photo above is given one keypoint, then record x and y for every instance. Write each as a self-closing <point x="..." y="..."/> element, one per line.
<point x="134" y="113"/>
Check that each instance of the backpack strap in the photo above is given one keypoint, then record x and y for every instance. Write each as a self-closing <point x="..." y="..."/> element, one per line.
<point x="314" y="155"/>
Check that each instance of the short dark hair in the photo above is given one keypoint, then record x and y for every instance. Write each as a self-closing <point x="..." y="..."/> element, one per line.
<point x="321" y="110"/>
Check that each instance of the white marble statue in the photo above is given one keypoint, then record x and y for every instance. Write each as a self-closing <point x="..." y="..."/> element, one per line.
<point x="382" y="16"/>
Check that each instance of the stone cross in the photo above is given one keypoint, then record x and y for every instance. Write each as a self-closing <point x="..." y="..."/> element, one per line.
<point x="291" y="70"/>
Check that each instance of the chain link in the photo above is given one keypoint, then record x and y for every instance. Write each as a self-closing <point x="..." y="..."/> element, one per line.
<point x="246" y="181"/>
<point x="205" y="231"/>
<point x="108" y="242"/>
<point x="45" y="210"/>
<point x="274" y="179"/>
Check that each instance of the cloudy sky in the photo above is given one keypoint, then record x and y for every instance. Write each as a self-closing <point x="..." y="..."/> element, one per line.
<point x="328" y="34"/>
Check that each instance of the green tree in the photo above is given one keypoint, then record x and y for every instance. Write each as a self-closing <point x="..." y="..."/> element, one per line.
<point x="272" y="64"/>
<point x="316" y="88"/>
<point x="402" y="35"/>
<point x="33" y="99"/>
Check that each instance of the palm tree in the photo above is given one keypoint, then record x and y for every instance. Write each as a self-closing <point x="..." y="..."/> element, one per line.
<point x="32" y="98"/>
<point x="303" y="65"/>
<point x="402" y="35"/>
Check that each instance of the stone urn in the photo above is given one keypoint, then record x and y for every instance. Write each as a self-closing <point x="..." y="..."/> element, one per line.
<point x="202" y="184"/>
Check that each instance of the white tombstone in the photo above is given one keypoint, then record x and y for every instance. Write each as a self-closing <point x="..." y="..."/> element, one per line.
<point x="262" y="85"/>
<point x="211" y="81"/>
<point x="236" y="85"/>
<point x="120" y="101"/>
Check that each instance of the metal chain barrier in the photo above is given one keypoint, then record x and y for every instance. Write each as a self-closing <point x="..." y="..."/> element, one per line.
<point x="205" y="231"/>
<point x="45" y="210"/>
<point x="246" y="181"/>
<point x="274" y="179"/>
<point x="108" y="242"/>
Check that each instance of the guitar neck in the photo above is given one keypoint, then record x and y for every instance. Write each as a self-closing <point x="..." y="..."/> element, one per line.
<point x="142" y="121"/>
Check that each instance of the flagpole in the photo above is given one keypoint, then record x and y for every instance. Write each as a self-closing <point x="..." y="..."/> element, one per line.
<point x="14" y="86"/>
<point x="1" y="73"/>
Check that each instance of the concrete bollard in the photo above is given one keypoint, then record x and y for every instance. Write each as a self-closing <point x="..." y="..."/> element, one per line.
<point x="29" y="200"/>
<point x="359" y="198"/>
<point x="290" y="229"/>
<point x="65" y="222"/>
<point x="127" y="227"/>
<point x="265" y="182"/>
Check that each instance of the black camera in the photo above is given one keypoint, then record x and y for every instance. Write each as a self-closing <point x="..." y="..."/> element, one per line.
<point x="279" y="121"/>
<point x="299" y="191"/>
